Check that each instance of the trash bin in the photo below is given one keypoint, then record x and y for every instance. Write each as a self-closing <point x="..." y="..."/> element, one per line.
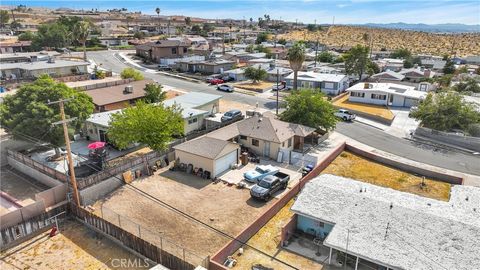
<point x="244" y="158"/>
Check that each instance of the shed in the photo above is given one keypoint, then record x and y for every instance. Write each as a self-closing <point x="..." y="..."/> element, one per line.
<point x="210" y="154"/>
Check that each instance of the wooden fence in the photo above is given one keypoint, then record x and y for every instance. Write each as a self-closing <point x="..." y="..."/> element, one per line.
<point x="37" y="165"/>
<point x="131" y="241"/>
<point x="18" y="232"/>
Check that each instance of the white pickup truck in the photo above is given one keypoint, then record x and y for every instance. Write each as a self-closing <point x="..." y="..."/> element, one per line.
<point x="345" y="115"/>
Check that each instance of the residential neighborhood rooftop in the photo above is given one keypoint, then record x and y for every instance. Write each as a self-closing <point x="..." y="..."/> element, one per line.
<point x="208" y="147"/>
<point x="192" y="99"/>
<point x="43" y="65"/>
<point x="102" y="118"/>
<point x="114" y="94"/>
<point x="396" y="229"/>
<point x="390" y="88"/>
<point x="318" y="77"/>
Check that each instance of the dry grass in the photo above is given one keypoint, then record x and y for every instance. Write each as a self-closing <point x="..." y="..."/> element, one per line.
<point x="172" y="94"/>
<point x="75" y="247"/>
<point x="130" y="156"/>
<point x="267" y="239"/>
<point x="356" y="167"/>
<point x="257" y="87"/>
<point x="417" y="42"/>
<point x="226" y="105"/>
<point x="376" y="110"/>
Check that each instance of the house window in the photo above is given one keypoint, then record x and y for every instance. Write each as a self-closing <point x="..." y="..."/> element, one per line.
<point x="357" y="94"/>
<point x="174" y="50"/>
<point x="255" y="142"/>
<point x="243" y="137"/>
<point x="290" y="142"/>
<point x="184" y="49"/>
<point x="193" y="120"/>
<point x="377" y="96"/>
<point x="321" y="224"/>
<point x="329" y="85"/>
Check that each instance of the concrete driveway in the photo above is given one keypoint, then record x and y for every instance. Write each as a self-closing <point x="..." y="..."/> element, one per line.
<point x="402" y="125"/>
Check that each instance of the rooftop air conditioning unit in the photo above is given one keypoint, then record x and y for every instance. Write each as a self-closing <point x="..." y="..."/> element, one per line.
<point x="51" y="60"/>
<point x="128" y="89"/>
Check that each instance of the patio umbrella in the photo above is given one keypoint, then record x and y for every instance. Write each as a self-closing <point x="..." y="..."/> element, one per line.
<point x="96" y="145"/>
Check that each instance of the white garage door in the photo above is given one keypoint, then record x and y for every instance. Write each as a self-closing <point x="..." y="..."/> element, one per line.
<point x="222" y="164"/>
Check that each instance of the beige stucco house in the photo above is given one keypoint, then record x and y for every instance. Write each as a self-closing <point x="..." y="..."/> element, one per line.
<point x="210" y="154"/>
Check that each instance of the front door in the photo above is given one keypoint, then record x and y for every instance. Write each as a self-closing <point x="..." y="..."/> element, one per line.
<point x="390" y="100"/>
<point x="266" y="149"/>
<point x="102" y="135"/>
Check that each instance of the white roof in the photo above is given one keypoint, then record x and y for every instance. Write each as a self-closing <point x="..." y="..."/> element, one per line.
<point x="389" y="88"/>
<point x="102" y="119"/>
<point x="393" y="74"/>
<point x="318" y="77"/>
<point x="189" y="102"/>
<point x="422" y="233"/>
<point x="42" y="65"/>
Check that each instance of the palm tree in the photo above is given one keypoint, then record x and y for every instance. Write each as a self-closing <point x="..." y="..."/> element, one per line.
<point x="157" y="10"/>
<point x="81" y="31"/>
<point x="296" y="56"/>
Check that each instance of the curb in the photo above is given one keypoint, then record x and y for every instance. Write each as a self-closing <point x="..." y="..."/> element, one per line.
<point x="419" y="139"/>
<point x="370" y="125"/>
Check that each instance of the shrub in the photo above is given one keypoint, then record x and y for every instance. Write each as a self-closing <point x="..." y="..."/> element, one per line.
<point x="131" y="73"/>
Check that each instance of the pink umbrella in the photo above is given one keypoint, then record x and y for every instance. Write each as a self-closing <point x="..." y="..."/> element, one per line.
<point x="96" y="145"/>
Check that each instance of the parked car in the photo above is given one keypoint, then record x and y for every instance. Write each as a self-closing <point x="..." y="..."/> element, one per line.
<point x="227" y="79"/>
<point x="216" y="81"/>
<point x="281" y="86"/>
<point x="270" y="184"/>
<point x="232" y="115"/>
<point x="164" y="67"/>
<point x="345" y="115"/>
<point x="259" y="173"/>
<point x="225" y="87"/>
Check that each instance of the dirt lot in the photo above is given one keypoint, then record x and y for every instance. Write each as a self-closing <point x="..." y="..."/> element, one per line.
<point x="76" y="247"/>
<point x="226" y="105"/>
<point x="375" y="110"/>
<point x="257" y="87"/>
<point x="222" y="206"/>
<point x="267" y="239"/>
<point x="356" y="167"/>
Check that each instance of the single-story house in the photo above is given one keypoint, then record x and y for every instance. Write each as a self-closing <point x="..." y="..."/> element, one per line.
<point x="388" y="229"/>
<point x="32" y="70"/>
<point x="205" y="67"/>
<point x="472" y="59"/>
<point x="27" y="56"/>
<point x="162" y="49"/>
<point x="196" y="107"/>
<point x="387" y="76"/>
<point x="387" y="94"/>
<point x="237" y="74"/>
<point x="330" y="84"/>
<point x="390" y="64"/>
<point x="433" y="64"/>
<point x="117" y="96"/>
<point x="210" y="154"/>
<point x="13" y="47"/>
<point x="417" y="74"/>
<point x="265" y="135"/>
<point x="282" y="73"/>
<point x="113" y="41"/>
<point x="96" y="126"/>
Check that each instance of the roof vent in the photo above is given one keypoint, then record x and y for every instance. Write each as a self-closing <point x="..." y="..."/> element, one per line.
<point x="128" y="89"/>
<point x="51" y="60"/>
<point x="391" y="205"/>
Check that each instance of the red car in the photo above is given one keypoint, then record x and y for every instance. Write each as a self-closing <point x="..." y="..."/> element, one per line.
<point x="216" y="81"/>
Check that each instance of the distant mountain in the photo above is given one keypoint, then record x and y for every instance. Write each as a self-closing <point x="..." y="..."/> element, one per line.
<point x="434" y="28"/>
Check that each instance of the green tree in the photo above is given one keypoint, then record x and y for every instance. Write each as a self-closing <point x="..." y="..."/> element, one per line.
<point x="296" y="57"/>
<point x="188" y="21"/>
<point x="139" y="35"/>
<point x="261" y="37"/>
<point x="131" y="73"/>
<point x="312" y="27"/>
<point x="152" y="124"/>
<point x="80" y="33"/>
<point x="154" y="93"/>
<point x="28" y="35"/>
<point x="69" y="22"/>
<point x="255" y="74"/>
<point x="196" y="29"/>
<point x="408" y="63"/>
<point x="356" y="60"/>
<point x="309" y="108"/>
<point x="250" y="48"/>
<point x="282" y="41"/>
<point x="52" y="35"/>
<point x="4" y="17"/>
<point x="446" y="111"/>
<point x="28" y="112"/>
<point x="372" y="68"/>
<point x="469" y="85"/>
<point x="401" y="53"/>
<point x="445" y="80"/>
<point x="449" y="67"/>
<point x="326" y="57"/>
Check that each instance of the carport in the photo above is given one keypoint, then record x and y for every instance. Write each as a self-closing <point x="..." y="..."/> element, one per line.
<point x="213" y="155"/>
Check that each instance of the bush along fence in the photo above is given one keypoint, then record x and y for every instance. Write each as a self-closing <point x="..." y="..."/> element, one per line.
<point x="135" y="240"/>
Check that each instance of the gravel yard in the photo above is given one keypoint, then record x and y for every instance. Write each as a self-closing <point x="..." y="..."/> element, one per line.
<point x="222" y="206"/>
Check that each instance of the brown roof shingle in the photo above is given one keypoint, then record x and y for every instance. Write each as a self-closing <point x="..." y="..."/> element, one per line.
<point x="207" y="147"/>
<point x="114" y="94"/>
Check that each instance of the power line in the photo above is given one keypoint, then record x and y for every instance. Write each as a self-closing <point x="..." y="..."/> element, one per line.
<point x="176" y="210"/>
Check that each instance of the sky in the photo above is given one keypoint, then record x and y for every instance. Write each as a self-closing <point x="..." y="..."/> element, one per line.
<point x="306" y="11"/>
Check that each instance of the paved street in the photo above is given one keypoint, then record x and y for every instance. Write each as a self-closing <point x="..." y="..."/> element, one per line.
<point x="365" y="134"/>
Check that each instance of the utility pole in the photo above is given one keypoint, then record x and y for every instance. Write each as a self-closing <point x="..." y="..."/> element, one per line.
<point x="64" y="122"/>
<point x="223" y="41"/>
<point x="316" y="53"/>
<point x="346" y="249"/>
<point x="278" y="90"/>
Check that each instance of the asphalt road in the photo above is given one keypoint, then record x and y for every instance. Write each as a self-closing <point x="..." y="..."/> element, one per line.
<point x="373" y="137"/>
